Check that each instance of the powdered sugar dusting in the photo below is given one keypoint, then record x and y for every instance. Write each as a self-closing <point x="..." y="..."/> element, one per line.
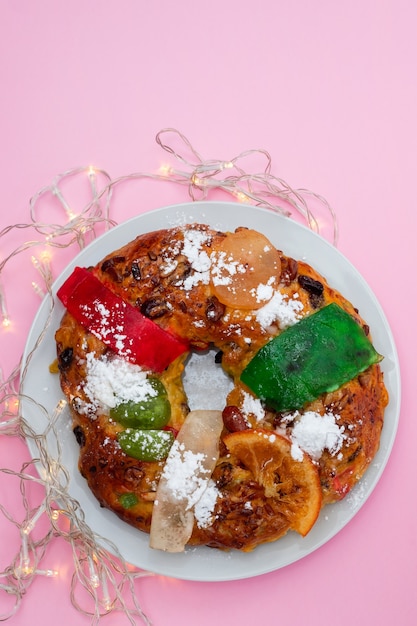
<point x="224" y="267"/>
<point x="197" y="257"/>
<point x="313" y="433"/>
<point x="110" y="381"/>
<point x="252" y="406"/>
<point x="186" y="476"/>
<point x="109" y="322"/>
<point x="264" y="292"/>
<point x="204" y="508"/>
<point x="281" y="309"/>
<point x="358" y="494"/>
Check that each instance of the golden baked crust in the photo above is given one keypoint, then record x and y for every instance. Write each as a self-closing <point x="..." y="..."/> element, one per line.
<point x="143" y="273"/>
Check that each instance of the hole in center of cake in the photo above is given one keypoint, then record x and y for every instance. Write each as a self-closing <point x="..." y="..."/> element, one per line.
<point x="205" y="382"/>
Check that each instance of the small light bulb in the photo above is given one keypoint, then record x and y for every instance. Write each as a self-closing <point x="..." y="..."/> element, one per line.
<point x="37" y="289"/>
<point x="26" y="570"/>
<point x="165" y="170"/>
<point x="6" y="323"/>
<point x="49" y="573"/>
<point x="61" y="404"/>
<point x="35" y="262"/>
<point x="198" y="182"/>
<point x="95" y="582"/>
<point x="94" y="579"/>
<point x="45" y="256"/>
<point x="57" y="193"/>
<point x="242" y="197"/>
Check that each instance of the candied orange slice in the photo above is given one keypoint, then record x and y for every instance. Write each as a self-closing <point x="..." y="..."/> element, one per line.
<point x="245" y="269"/>
<point x="294" y="484"/>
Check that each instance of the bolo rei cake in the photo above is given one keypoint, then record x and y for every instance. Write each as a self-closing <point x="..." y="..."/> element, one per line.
<point x="299" y="427"/>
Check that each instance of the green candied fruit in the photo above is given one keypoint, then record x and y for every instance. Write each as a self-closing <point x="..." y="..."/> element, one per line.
<point x="152" y="412"/>
<point x="318" y="354"/>
<point x="128" y="500"/>
<point x="146" y="445"/>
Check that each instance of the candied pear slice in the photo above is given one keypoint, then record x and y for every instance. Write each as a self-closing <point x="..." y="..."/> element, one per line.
<point x="245" y="270"/>
<point x="184" y="480"/>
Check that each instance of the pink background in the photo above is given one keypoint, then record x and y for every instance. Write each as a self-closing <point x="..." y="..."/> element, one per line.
<point x="329" y="89"/>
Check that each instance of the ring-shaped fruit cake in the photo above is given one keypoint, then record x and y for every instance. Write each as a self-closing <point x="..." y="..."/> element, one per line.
<point x="298" y="429"/>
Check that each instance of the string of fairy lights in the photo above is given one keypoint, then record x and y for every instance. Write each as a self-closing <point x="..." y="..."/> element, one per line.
<point x="102" y="582"/>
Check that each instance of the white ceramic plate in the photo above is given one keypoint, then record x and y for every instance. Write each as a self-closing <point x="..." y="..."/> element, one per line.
<point x="205" y="564"/>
